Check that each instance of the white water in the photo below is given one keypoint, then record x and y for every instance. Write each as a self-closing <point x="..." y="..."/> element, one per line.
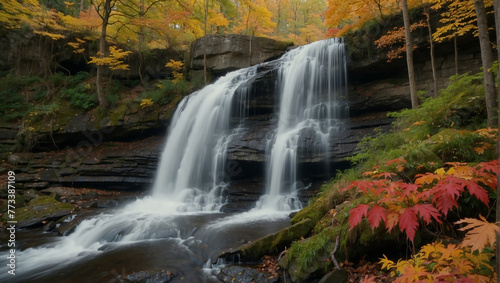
<point x="188" y="181"/>
<point x="193" y="159"/>
<point x="313" y="99"/>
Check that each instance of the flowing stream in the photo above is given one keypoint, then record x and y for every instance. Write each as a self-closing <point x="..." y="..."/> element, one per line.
<point x="179" y="229"/>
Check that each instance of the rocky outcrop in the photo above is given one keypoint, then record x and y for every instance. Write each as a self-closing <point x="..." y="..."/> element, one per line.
<point x="231" y="52"/>
<point x="127" y="121"/>
<point x="105" y="165"/>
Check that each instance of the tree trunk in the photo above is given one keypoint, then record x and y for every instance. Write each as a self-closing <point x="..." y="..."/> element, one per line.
<point x="455" y="46"/>
<point x="433" y="63"/>
<point x="496" y="4"/>
<point x="140" y="42"/>
<point x="82" y="2"/>
<point x="487" y="59"/>
<point x="409" y="56"/>
<point x="205" y="44"/>
<point x="102" y="53"/>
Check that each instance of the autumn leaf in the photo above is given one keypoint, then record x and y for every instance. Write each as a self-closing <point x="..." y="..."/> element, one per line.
<point x="428" y="212"/>
<point x="481" y="233"/>
<point x="375" y="215"/>
<point x="408" y="222"/>
<point x="357" y="214"/>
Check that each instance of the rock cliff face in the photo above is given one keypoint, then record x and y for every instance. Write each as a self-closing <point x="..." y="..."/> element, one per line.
<point x="232" y="52"/>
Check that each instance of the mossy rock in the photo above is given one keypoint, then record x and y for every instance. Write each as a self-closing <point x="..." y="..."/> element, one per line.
<point x="271" y="244"/>
<point x="310" y="257"/>
<point x="42" y="208"/>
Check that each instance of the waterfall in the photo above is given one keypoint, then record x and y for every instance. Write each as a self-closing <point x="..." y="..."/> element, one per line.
<point x="171" y="224"/>
<point x="312" y="83"/>
<point x="193" y="160"/>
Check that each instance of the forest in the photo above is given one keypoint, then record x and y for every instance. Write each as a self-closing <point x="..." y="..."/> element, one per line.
<point x="419" y="201"/>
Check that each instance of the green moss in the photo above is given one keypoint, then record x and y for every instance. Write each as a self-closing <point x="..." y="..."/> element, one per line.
<point x="40" y="209"/>
<point x="118" y="113"/>
<point x="276" y="242"/>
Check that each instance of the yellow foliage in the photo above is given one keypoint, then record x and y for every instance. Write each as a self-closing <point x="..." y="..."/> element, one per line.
<point x="436" y="262"/>
<point x="114" y="61"/>
<point x="176" y="65"/>
<point x="146" y="103"/>
<point x="458" y="19"/>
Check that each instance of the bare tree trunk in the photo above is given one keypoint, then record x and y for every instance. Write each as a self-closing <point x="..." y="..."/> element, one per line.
<point x="433" y="61"/>
<point x="409" y="56"/>
<point x="487" y="59"/>
<point x="455" y="45"/>
<point x="82" y="2"/>
<point x="496" y="4"/>
<point x="140" y="42"/>
<point x="205" y="44"/>
<point x="102" y="53"/>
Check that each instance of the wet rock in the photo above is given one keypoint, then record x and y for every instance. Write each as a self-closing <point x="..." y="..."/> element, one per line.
<point x="49" y="226"/>
<point x="42" y="208"/>
<point x="31" y="194"/>
<point x="60" y="190"/>
<point x="270" y="244"/>
<point x="241" y="274"/>
<point x="88" y="204"/>
<point x="150" y="276"/>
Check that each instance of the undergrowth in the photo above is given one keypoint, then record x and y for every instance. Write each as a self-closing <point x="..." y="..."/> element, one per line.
<point x="442" y="131"/>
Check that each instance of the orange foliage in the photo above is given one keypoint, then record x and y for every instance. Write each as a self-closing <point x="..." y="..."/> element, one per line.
<point x="429" y="199"/>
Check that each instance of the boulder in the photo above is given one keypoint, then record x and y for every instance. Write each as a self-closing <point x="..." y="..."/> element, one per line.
<point x="40" y="209"/>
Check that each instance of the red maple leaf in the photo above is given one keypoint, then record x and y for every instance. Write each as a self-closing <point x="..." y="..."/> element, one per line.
<point x="408" y="222"/>
<point x="357" y="214"/>
<point x="427" y="212"/>
<point x="375" y="215"/>
<point x="479" y="192"/>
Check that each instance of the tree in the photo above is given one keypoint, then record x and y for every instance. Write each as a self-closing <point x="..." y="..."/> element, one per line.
<point x="348" y="15"/>
<point x="487" y="60"/>
<point x="409" y="55"/>
<point x="433" y="60"/>
<point x="497" y="26"/>
<point x="104" y="8"/>
<point x="457" y="18"/>
<point x="255" y="21"/>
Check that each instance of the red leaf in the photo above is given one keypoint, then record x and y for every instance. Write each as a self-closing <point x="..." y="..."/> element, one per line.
<point x="427" y="212"/>
<point x="375" y="215"/>
<point x="479" y="192"/>
<point x="446" y="193"/>
<point x="357" y="214"/>
<point x="408" y="222"/>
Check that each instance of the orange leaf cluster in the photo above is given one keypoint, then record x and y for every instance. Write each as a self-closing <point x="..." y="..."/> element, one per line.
<point x="430" y="198"/>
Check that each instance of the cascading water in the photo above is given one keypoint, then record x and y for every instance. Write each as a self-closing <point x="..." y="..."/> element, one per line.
<point x="313" y="90"/>
<point x="173" y="229"/>
<point x="195" y="153"/>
